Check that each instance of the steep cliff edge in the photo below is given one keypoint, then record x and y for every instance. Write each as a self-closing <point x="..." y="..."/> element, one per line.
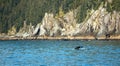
<point x="98" y="22"/>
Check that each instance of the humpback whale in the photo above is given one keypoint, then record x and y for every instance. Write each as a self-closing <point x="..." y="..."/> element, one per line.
<point x="78" y="47"/>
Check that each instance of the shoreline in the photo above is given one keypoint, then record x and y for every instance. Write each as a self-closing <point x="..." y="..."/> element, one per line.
<point x="61" y="38"/>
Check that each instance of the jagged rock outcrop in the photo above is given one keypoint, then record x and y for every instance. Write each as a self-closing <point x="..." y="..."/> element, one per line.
<point x="12" y="31"/>
<point x="26" y="30"/>
<point x="36" y="31"/>
<point x="99" y="23"/>
<point x="50" y="26"/>
<point x="62" y="26"/>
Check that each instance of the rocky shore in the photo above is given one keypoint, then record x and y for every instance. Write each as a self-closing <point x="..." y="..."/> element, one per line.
<point x="99" y="24"/>
<point x="61" y="38"/>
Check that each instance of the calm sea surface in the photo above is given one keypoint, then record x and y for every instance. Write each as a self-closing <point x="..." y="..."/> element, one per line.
<point x="59" y="53"/>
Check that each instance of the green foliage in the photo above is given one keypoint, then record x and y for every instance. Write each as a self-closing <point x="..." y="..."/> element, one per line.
<point x="87" y="5"/>
<point x="115" y="5"/>
<point x="14" y="12"/>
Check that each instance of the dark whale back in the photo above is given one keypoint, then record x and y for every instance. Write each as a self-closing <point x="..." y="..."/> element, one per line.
<point x="78" y="47"/>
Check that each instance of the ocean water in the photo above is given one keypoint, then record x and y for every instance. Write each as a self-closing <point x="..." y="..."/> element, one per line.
<point x="59" y="53"/>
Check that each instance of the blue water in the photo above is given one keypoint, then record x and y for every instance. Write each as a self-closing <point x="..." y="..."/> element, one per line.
<point x="59" y="53"/>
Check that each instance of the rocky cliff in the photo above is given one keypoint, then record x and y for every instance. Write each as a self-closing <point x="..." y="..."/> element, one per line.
<point x="97" y="23"/>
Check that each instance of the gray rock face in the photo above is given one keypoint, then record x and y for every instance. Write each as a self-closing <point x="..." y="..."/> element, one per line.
<point x="42" y="31"/>
<point x="99" y="23"/>
<point x="26" y="30"/>
<point x="49" y="26"/>
<point x="58" y="26"/>
<point x="37" y="30"/>
<point x="117" y="24"/>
